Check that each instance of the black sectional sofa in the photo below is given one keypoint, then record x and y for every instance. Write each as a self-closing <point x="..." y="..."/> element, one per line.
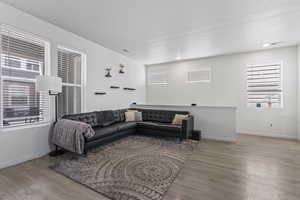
<point x="110" y="125"/>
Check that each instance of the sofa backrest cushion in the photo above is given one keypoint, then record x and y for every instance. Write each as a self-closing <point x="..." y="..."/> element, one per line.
<point x="89" y="118"/>
<point x="119" y="115"/>
<point x="108" y="117"/>
<point x="165" y="116"/>
<point x="122" y="115"/>
<point x="100" y="117"/>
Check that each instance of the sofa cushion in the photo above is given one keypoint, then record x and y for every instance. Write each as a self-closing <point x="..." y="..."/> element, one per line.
<point x="130" y="116"/>
<point x="138" y="116"/>
<point x="116" y="114"/>
<point x="164" y="116"/>
<point x="89" y="118"/>
<point x="159" y="126"/>
<point x="108" y="118"/>
<point x="178" y="119"/>
<point x="101" y="132"/>
<point x="100" y="119"/>
<point x="119" y="115"/>
<point x="122" y="114"/>
<point x="126" y="125"/>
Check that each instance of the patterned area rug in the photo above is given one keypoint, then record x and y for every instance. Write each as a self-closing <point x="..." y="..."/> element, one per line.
<point x="133" y="168"/>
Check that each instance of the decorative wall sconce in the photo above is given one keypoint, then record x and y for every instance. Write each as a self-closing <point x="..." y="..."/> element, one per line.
<point x="108" y="75"/>
<point x="121" y="71"/>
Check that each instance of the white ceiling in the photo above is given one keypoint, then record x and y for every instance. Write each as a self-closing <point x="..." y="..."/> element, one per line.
<point x="157" y="31"/>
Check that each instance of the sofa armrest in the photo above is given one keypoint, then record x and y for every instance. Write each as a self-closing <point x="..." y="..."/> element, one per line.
<point x="187" y="127"/>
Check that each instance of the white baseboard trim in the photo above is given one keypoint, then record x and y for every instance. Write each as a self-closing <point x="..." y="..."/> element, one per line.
<point x="269" y="135"/>
<point x="4" y="164"/>
<point x="220" y="138"/>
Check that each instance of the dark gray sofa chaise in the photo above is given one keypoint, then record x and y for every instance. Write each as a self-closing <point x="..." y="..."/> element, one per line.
<point x="110" y="125"/>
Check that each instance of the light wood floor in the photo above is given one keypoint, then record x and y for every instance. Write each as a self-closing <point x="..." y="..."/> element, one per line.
<point x="252" y="168"/>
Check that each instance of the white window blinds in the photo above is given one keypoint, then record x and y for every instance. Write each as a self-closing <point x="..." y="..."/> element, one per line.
<point x="22" y="60"/>
<point x="70" y="70"/>
<point x="264" y="86"/>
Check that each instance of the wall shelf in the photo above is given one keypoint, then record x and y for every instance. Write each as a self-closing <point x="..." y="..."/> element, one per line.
<point x="114" y="87"/>
<point x="100" y="93"/>
<point x="130" y="89"/>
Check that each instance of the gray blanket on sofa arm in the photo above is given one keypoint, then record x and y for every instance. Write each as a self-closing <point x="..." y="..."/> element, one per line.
<point x="70" y="135"/>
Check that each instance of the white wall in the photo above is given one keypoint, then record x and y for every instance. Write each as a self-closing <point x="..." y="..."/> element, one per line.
<point x="228" y="88"/>
<point x="18" y="145"/>
<point x="298" y="92"/>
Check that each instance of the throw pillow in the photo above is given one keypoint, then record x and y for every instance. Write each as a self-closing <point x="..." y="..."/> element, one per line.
<point x="178" y="119"/>
<point x="138" y="116"/>
<point x="130" y="116"/>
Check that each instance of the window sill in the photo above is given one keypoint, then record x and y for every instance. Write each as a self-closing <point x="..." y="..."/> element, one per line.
<point x="14" y="128"/>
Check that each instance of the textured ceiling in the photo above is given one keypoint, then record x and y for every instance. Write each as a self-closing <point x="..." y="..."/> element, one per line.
<point x="160" y="30"/>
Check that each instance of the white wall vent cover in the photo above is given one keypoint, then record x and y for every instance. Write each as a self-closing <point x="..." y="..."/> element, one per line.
<point x="199" y="76"/>
<point x="157" y="78"/>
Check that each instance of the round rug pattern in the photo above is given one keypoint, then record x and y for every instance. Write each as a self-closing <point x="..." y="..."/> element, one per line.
<point x="159" y="170"/>
<point x="133" y="168"/>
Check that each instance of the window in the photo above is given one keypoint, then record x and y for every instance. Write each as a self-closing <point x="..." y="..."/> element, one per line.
<point x="199" y="76"/>
<point x="19" y="99"/>
<point x="264" y="86"/>
<point x="70" y="69"/>
<point x="157" y="78"/>
<point x="23" y="58"/>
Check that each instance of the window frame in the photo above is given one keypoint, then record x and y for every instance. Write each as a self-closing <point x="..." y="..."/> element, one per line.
<point x="281" y="64"/>
<point x="83" y="73"/>
<point x="47" y="70"/>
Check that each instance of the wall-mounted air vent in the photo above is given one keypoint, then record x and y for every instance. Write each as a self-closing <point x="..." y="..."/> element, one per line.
<point x="157" y="78"/>
<point x="199" y="76"/>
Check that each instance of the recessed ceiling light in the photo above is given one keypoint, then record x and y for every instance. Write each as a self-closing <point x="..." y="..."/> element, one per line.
<point x="267" y="45"/>
<point x="178" y="58"/>
<point x="270" y="44"/>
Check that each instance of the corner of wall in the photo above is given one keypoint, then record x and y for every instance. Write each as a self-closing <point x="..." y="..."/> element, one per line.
<point x="146" y="85"/>
<point x="298" y="97"/>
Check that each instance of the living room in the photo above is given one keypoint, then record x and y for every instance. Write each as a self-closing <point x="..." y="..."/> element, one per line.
<point x="189" y="87"/>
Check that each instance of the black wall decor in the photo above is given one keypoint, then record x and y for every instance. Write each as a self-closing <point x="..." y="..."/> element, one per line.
<point x="121" y="71"/>
<point x="131" y="89"/>
<point x="100" y="93"/>
<point x="108" y="75"/>
<point x="114" y="87"/>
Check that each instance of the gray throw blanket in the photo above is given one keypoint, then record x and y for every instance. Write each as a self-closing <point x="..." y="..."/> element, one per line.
<point x="70" y="135"/>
